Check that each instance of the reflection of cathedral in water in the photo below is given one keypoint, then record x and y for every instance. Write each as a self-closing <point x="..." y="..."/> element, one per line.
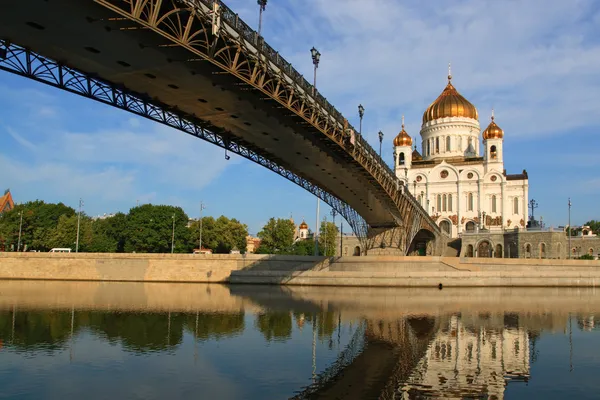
<point x="470" y="362"/>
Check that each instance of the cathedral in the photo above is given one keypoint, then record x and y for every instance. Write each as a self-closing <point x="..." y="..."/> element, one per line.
<point x="462" y="185"/>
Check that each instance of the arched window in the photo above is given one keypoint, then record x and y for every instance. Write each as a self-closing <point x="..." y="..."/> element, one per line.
<point x="428" y="148"/>
<point x="420" y="198"/>
<point x="449" y="202"/>
<point x="444" y="203"/>
<point x="493" y="203"/>
<point x="447" y="143"/>
<point x="439" y="202"/>
<point x="528" y="251"/>
<point x="437" y="145"/>
<point x="516" y="205"/>
<point x="402" y="158"/>
<point x="470" y="202"/>
<point x="493" y="152"/>
<point x="470" y="226"/>
<point x="542" y="250"/>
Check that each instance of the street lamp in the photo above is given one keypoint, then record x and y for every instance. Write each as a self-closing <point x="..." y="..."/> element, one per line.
<point x="262" y="4"/>
<point x="202" y="207"/>
<point x="361" y="114"/>
<point x="380" y="142"/>
<point x="316" y="57"/>
<point x="533" y="205"/>
<point x="173" y="235"/>
<point x="20" y="229"/>
<point x="78" y="223"/>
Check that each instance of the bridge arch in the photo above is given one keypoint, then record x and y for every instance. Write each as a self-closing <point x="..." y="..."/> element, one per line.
<point x="423" y="243"/>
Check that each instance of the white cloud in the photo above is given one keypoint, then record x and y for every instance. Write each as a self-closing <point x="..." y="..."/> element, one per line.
<point x="534" y="61"/>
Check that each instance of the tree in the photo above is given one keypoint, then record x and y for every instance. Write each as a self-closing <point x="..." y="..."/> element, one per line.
<point x="150" y="229"/>
<point x="221" y="235"/>
<point x="328" y="239"/>
<point x="39" y="219"/>
<point x="594" y="226"/>
<point x="65" y="233"/>
<point x="109" y="234"/>
<point x="304" y="247"/>
<point x="277" y="237"/>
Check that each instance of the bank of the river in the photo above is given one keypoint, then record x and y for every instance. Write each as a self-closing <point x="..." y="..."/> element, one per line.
<point x="296" y="270"/>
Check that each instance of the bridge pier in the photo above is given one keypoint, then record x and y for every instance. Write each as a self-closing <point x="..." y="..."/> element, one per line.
<point x="396" y="241"/>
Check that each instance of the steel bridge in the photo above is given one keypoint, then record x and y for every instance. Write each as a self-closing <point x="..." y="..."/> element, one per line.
<point x="196" y="66"/>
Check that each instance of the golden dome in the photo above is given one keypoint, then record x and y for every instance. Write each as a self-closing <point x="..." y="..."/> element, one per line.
<point x="303" y="225"/>
<point x="403" y="138"/>
<point x="450" y="104"/>
<point x="493" y="131"/>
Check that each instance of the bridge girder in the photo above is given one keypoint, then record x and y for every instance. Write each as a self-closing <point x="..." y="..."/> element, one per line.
<point x="239" y="52"/>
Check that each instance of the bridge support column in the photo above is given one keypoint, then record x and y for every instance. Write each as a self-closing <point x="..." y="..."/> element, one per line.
<point x="398" y="242"/>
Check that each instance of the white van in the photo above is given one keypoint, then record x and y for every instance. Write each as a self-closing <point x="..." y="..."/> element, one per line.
<point x="60" y="250"/>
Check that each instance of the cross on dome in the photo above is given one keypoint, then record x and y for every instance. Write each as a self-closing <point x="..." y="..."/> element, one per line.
<point x="449" y="72"/>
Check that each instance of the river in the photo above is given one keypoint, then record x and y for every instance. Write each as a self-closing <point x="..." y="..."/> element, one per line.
<point x="98" y="340"/>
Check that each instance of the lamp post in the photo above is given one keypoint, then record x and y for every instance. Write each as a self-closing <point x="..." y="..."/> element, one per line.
<point x="533" y="205"/>
<point x="569" y="228"/>
<point x="78" y="223"/>
<point x="20" y="229"/>
<point x="262" y="5"/>
<point x="316" y="57"/>
<point x="361" y="114"/>
<point x="173" y="235"/>
<point x="380" y="142"/>
<point x="202" y="207"/>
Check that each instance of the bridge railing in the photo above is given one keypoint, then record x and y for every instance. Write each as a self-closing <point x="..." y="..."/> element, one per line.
<point x="269" y="53"/>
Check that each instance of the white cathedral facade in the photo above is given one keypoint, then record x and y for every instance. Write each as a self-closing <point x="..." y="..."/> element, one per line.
<point x="463" y="186"/>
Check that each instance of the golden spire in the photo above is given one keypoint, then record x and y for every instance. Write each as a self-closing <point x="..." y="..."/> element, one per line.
<point x="403" y="138"/>
<point x="493" y="131"/>
<point x="449" y="72"/>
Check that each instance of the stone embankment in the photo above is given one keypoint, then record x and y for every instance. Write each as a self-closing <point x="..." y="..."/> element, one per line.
<point x="296" y="270"/>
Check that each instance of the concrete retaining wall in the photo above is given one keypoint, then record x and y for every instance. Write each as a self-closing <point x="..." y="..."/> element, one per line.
<point x="296" y="270"/>
<point x="145" y="267"/>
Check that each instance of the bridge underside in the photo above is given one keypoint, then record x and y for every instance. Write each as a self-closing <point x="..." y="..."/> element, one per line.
<point x="91" y="37"/>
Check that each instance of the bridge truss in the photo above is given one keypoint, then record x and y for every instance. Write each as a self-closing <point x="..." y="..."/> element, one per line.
<point x="227" y="42"/>
<point x="26" y="63"/>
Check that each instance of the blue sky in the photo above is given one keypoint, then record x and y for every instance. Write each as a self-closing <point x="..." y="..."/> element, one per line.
<point x="536" y="62"/>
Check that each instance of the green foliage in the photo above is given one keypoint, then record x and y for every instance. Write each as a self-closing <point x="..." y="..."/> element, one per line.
<point x="586" y="257"/>
<point x="109" y="234"/>
<point x="65" y="233"/>
<point x="39" y="219"/>
<point x="221" y="235"/>
<point x="277" y="237"/>
<point x="304" y="247"/>
<point x="594" y="226"/>
<point x="328" y="238"/>
<point x="150" y="229"/>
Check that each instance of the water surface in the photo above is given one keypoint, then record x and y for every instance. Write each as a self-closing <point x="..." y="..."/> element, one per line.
<point x="152" y="341"/>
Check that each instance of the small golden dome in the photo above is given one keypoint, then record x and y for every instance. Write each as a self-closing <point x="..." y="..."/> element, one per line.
<point x="493" y="131"/>
<point x="403" y="138"/>
<point x="303" y="225"/>
<point x="450" y="104"/>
